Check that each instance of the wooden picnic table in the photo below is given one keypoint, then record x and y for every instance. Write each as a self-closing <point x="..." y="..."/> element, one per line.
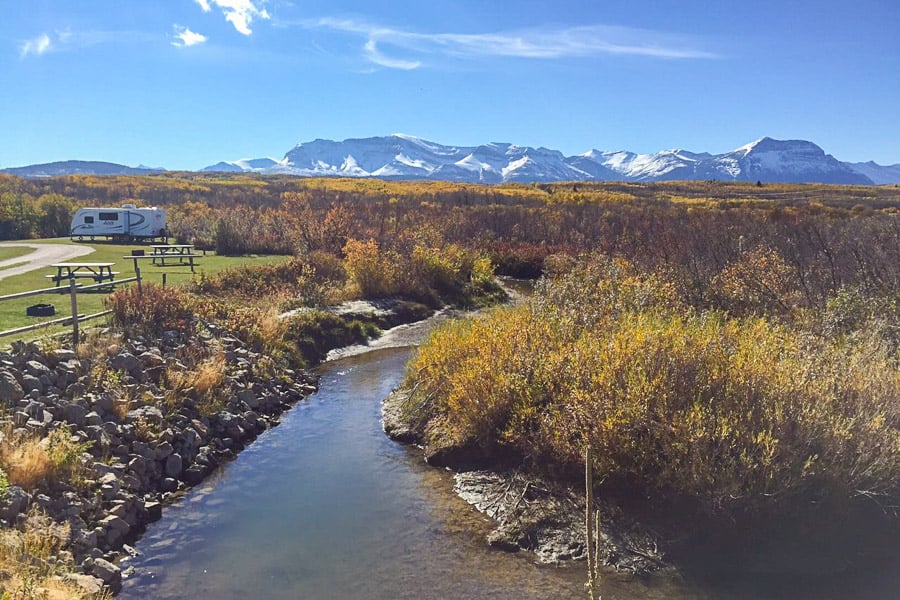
<point x="181" y="252"/>
<point x="99" y="272"/>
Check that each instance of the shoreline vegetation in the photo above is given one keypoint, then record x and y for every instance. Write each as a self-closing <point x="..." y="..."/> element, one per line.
<point x="728" y="351"/>
<point x="734" y="425"/>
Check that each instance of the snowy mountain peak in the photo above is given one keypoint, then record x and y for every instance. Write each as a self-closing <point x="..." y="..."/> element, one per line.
<point x="789" y="161"/>
<point x="767" y="144"/>
<point x="747" y="148"/>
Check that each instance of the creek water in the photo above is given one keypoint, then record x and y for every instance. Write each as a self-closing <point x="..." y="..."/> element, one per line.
<point x="326" y="506"/>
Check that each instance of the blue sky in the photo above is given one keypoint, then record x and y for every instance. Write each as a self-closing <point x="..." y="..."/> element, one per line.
<point x="185" y="83"/>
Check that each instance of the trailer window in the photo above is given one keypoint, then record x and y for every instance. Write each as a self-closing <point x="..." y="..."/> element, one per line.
<point x="109" y="216"/>
<point x="89" y="219"/>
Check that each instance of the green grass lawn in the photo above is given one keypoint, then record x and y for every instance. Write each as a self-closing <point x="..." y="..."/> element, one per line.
<point x="12" y="312"/>
<point x="7" y="253"/>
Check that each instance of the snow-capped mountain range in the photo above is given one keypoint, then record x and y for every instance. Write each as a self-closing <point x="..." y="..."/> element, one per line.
<point x="402" y="156"/>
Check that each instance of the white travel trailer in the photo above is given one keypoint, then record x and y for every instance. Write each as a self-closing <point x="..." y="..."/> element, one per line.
<point x="126" y="224"/>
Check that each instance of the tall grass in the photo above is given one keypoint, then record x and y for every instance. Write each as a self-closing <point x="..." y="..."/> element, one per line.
<point x="34" y="562"/>
<point x="31" y="460"/>
<point x="204" y="382"/>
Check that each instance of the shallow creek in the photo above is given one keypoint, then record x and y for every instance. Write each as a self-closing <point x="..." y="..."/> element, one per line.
<point x="326" y="506"/>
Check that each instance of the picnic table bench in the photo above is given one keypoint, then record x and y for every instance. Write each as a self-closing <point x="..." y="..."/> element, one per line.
<point x="99" y="272"/>
<point x="173" y="252"/>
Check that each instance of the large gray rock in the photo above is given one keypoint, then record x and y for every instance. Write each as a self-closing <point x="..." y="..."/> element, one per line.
<point x="35" y="410"/>
<point x="109" y="573"/>
<point x="33" y="367"/>
<point x="138" y="464"/>
<point x="149" y="414"/>
<point x="151" y="359"/>
<point x="20" y="418"/>
<point x="163" y="450"/>
<point x="10" y="390"/>
<point x="190" y="441"/>
<point x="14" y="502"/>
<point x="125" y="361"/>
<point x="195" y="474"/>
<point x="104" y="403"/>
<point x="62" y="355"/>
<point x="114" y="530"/>
<point x="92" y="418"/>
<point x="174" y="465"/>
<point x="75" y="390"/>
<point x="249" y="398"/>
<point x="153" y="510"/>
<point x="115" y="523"/>
<point x="85" y="539"/>
<point x="32" y="383"/>
<point x="74" y="414"/>
<point x="92" y="586"/>
<point x="109" y="486"/>
<point x="133" y="483"/>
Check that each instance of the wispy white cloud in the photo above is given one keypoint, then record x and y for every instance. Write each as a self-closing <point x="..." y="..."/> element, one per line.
<point x="36" y="46"/>
<point x="67" y="40"/>
<point x="537" y="43"/>
<point x="184" y="37"/>
<point x="240" y="13"/>
<point x="374" y="55"/>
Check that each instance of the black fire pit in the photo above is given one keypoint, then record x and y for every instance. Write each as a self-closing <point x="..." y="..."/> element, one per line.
<point x="40" y="310"/>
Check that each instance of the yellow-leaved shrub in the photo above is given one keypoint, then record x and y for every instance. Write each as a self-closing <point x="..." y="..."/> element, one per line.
<point x="697" y="403"/>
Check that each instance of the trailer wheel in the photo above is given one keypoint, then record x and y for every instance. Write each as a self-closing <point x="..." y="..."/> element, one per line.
<point x="80" y="238"/>
<point x="92" y="238"/>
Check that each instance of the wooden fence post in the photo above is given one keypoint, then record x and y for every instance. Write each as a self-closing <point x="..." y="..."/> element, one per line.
<point x="164" y="279"/>
<point x="74" y="295"/>
<point x="137" y="273"/>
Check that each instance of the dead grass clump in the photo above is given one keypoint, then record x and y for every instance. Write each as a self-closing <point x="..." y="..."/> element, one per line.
<point x="204" y="382"/>
<point x="31" y="461"/>
<point x="34" y="561"/>
<point x="209" y="375"/>
<point x="96" y="346"/>
<point x="27" y="464"/>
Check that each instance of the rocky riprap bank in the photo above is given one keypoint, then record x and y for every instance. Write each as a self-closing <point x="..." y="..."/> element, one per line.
<point x="127" y="475"/>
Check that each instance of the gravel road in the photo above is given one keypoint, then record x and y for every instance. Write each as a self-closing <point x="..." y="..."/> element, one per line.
<point x="43" y="256"/>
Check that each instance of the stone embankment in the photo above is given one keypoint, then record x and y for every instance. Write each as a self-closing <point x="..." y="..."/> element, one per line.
<point x="144" y="446"/>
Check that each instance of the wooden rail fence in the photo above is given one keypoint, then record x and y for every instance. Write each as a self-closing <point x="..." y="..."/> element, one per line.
<point x="76" y="318"/>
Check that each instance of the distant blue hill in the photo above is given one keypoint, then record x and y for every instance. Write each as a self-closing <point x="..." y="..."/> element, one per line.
<point x="78" y="167"/>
